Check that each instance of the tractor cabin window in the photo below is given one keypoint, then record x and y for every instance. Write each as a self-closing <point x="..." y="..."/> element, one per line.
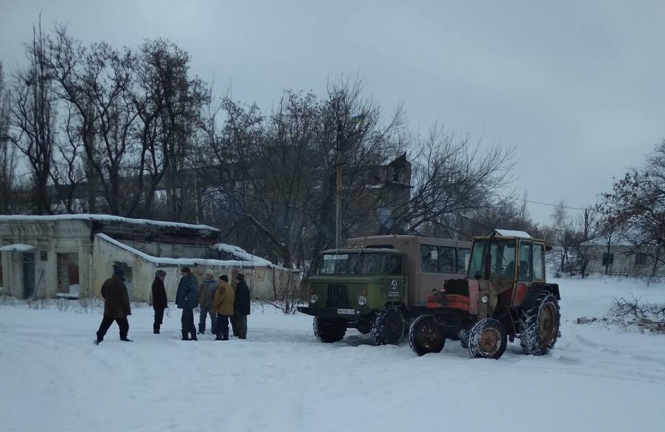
<point x="526" y="262"/>
<point x="462" y="257"/>
<point x="538" y="262"/>
<point x="395" y="268"/>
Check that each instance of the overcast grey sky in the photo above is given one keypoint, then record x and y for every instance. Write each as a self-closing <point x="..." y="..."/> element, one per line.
<point x="577" y="87"/>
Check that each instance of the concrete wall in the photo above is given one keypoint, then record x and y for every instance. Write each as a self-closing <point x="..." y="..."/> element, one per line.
<point x="262" y="281"/>
<point x="49" y="239"/>
<point x="624" y="264"/>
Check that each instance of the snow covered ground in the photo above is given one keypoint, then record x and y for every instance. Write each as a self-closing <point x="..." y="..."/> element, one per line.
<point x="53" y="378"/>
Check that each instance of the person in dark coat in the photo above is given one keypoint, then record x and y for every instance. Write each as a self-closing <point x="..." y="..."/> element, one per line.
<point x="187" y="299"/>
<point x="159" y="300"/>
<point x="116" y="306"/>
<point x="234" y="285"/>
<point x="206" y="294"/>
<point x="241" y="306"/>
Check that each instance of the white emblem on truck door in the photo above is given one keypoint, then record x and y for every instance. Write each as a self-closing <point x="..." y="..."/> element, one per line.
<point x="393" y="285"/>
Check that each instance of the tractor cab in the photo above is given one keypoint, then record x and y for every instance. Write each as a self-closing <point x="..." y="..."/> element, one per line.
<point x="505" y="295"/>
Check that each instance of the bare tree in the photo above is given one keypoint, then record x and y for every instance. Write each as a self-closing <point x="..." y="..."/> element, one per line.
<point x="33" y="116"/>
<point x="7" y="154"/>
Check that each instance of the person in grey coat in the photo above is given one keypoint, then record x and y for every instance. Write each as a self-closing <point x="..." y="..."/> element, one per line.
<point x="207" y="293"/>
<point x="187" y="299"/>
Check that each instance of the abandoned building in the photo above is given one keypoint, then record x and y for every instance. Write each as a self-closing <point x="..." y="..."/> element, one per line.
<point x="619" y="257"/>
<point x="70" y="256"/>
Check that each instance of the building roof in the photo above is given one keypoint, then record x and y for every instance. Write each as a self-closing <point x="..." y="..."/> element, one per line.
<point x="603" y="240"/>
<point x="160" y="261"/>
<point x="105" y="218"/>
<point x="241" y="254"/>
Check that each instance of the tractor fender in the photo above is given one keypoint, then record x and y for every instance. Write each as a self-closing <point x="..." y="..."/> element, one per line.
<point x="535" y="292"/>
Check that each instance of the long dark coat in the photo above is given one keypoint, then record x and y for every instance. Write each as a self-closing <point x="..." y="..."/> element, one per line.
<point x="116" y="298"/>
<point x="242" y="304"/>
<point x="159" y="300"/>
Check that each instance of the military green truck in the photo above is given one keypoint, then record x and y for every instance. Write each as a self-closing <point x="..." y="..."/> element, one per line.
<point x="376" y="284"/>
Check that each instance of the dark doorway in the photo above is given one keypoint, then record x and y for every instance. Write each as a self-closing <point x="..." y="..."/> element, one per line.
<point x="28" y="274"/>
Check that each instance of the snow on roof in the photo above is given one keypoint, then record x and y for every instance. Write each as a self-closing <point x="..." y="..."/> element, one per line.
<point x="180" y="261"/>
<point x="512" y="233"/>
<point x="603" y="240"/>
<point x="18" y="247"/>
<point x="103" y="218"/>
<point x="242" y="254"/>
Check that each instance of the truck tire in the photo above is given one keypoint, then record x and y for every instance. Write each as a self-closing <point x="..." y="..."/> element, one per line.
<point x="425" y="336"/>
<point x="539" y="325"/>
<point x="329" y="331"/>
<point x="388" y="326"/>
<point x="487" y="339"/>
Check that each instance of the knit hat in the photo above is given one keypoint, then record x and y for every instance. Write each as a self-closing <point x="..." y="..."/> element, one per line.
<point x="118" y="272"/>
<point x="160" y="273"/>
<point x="186" y="270"/>
<point x="225" y="278"/>
<point x="210" y="272"/>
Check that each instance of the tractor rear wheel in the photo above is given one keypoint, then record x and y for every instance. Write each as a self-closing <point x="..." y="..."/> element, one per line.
<point x="540" y="325"/>
<point x="329" y="331"/>
<point x="425" y="336"/>
<point x="388" y="326"/>
<point x="487" y="339"/>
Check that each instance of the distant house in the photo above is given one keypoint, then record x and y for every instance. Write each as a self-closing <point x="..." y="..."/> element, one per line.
<point x="618" y="257"/>
<point x="71" y="255"/>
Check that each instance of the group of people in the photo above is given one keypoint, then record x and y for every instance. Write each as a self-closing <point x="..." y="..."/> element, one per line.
<point x="223" y="301"/>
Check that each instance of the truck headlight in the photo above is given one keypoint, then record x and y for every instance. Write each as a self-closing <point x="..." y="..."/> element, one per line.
<point x="362" y="301"/>
<point x="313" y="298"/>
<point x="484" y="299"/>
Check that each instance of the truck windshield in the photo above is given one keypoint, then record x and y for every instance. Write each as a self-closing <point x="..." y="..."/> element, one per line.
<point x="502" y="256"/>
<point x="354" y="263"/>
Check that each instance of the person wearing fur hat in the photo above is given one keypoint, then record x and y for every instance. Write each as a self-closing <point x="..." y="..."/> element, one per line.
<point x="116" y="306"/>
<point x="206" y="294"/>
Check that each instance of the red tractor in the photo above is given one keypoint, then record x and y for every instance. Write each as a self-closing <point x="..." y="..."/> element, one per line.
<point x="504" y="296"/>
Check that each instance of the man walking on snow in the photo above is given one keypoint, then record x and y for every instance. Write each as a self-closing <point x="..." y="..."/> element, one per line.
<point x="116" y="306"/>
<point x="187" y="299"/>
<point x="208" y="288"/>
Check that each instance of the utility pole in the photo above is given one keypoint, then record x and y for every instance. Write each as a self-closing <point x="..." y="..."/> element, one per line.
<point x="338" y="190"/>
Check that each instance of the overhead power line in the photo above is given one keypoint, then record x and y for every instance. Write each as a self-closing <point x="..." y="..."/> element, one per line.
<point x="552" y="205"/>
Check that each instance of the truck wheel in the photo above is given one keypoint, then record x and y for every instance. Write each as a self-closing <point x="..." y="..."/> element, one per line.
<point x="329" y="331"/>
<point x="487" y="339"/>
<point x="539" y="325"/>
<point x="388" y="326"/>
<point x="425" y="336"/>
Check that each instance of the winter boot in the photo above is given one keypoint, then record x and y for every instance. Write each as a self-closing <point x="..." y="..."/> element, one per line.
<point x="99" y="339"/>
<point x="126" y="340"/>
<point x="225" y="334"/>
<point x="193" y="336"/>
<point x="202" y="328"/>
<point x="155" y="329"/>
<point x="185" y="335"/>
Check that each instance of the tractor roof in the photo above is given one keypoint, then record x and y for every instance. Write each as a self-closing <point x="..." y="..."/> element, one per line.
<point x="362" y="249"/>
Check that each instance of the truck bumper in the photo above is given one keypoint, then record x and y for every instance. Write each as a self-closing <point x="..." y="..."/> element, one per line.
<point x="332" y="312"/>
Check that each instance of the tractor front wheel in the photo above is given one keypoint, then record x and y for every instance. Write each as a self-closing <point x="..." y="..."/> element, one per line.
<point x="487" y="339"/>
<point x="329" y="330"/>
<point x="425" y="336"/>
<point x="388" y="326"/>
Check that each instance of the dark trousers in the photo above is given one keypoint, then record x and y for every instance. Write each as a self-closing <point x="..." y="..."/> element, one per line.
<point x="241" y="326"/>
<point x="232" y="318"/>
<point x="106" y="324"/>
<point x="202" y="320"/>
<point x="188" y="321"/>
<point x="222" y="326"/>
<point x="159" y="318"/>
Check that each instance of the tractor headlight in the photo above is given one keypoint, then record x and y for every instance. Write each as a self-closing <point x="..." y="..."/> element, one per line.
<point x="362" y="301"/>
<point x="313" y="298"/>
<point x="484" y="299"/>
